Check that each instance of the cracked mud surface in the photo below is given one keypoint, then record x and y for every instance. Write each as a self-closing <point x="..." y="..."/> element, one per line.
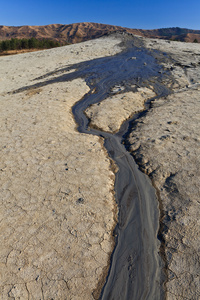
<point x="165" y="142"/>
<point x="110" y="113"/>
<point x="56" y="239"/>
<point x="168" y="151"/>
<point x="56" y="224"/>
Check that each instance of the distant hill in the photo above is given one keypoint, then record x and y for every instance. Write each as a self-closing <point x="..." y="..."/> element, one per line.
<point x="79" y="32"/>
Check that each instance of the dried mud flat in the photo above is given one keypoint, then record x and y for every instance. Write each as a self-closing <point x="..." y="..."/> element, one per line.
<point x="166" y="145"/>
<point x="57" y="205"/>
<point x="58" y="210"/>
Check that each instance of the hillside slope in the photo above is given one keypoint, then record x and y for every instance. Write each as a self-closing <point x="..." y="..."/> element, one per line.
<point x="79" y="32"/>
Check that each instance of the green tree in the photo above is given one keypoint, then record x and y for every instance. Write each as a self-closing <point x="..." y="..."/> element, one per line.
<point x="32" y="43"/>
<point x="5" y="45"/>
<point x="18" y="44"/>
<point x="13" y="44"/>
<point x="195" y="41"/>
<point x="24" y="44"/>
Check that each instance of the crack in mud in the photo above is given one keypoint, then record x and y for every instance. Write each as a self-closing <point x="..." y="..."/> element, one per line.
<point x="136" y="268"/>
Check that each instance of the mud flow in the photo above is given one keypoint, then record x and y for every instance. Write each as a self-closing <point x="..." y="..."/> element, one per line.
<point x="136" y="266"/>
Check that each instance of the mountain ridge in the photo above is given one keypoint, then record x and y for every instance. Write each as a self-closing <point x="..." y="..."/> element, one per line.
<point x="79" y="32"/>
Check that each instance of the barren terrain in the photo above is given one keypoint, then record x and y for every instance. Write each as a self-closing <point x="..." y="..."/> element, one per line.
<point x="165" y="142"/>
<point x="56" y="223"/>
<point x="58" y="208"/>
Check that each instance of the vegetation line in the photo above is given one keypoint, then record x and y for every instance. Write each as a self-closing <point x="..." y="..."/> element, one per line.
<point x="32" y="43"/>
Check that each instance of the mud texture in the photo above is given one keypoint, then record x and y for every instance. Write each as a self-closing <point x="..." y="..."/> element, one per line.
<point x="164" y="139"/>
<point x="142" y="267"/>
<point x="165" y="143"/>
<point x="138" y="204"/>
<point x="56" y="223"/>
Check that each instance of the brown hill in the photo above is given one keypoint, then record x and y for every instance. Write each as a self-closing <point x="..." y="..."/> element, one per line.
<point x="79" y="32"/>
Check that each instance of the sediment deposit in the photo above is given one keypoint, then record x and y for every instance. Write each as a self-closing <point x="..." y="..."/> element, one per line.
<point x="165" y="142"/>
<point x="109" y="114"/>
<point x="166" y="145"/>
<point x="57" y="204"/>
<point x="58" y="209"/>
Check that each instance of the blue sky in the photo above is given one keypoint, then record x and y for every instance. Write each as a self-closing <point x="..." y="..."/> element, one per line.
<point x="144" y="14"/>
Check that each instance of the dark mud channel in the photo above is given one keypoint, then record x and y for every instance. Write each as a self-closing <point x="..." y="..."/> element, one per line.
<point x="136" y="268"/>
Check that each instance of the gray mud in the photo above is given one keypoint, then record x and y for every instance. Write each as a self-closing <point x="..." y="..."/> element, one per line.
<point x="136" y="266"/>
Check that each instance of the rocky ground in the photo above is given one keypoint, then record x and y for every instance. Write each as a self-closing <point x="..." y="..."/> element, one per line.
<point x="165" y="142"/>
<point x="57" y="204"/>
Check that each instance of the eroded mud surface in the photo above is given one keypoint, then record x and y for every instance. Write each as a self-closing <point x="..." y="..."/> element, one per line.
<point x="164" y="139"/>
<point x="136" y="266"/>
<point x="166" y="144"/>
<point x="137" y="271"/>
<point x="56" y="223"/>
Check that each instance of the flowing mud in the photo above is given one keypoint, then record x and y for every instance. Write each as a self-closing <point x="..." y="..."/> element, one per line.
<point x="136" y="267"/>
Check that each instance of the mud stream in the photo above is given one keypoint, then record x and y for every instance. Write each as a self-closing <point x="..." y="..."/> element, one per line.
<point x="136" y="266"/>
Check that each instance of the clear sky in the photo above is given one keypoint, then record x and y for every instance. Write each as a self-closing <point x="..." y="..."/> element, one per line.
<point x="143" y="14"/>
